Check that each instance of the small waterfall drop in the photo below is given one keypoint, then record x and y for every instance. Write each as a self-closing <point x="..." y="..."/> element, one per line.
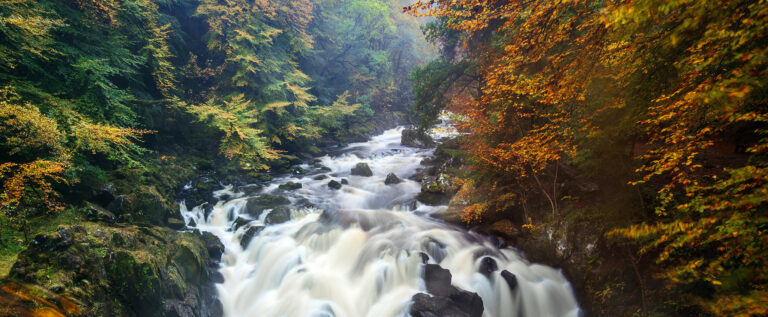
<point x="359" y="250"/>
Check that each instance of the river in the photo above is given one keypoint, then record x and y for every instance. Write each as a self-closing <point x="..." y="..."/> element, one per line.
<point x="360" y="250"/>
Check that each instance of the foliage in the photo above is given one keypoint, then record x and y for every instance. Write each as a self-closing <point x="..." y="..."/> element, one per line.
<point x="670" y="94"/>
<point x="95" y="91"/>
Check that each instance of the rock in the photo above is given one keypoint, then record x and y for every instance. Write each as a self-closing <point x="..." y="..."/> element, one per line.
<point x="487" y="266"/>
<point x="438" y="280"/>
<point x="505" y="229"/>
<point x="176" y="224"/>
<point x="249" y="234"/>
<point x="510" y="278"/>
<point x="334" y="184"/>
<point x="256" y="205"/>
<point x="344" y="181"/>
<point x="362" y="169"/>
<point x="118" y="206"/>
<point x="97" y="213"/>
<point x="113" y="271"/>
<point x="392" y="179"/>
<point x="298" y="170"/>
<point x="279" y="214"/>
<point x="239" y="222"/>
<point x="446" y="299"/>
<point x="415" y="138"/>
<point x="213" y="245"/>
<point x="320" y="177"/>
<point x="192" y="223"/>
<point x="436" y="190"/>
<point x="249" y="190"/>
<point x="290" y="186"/>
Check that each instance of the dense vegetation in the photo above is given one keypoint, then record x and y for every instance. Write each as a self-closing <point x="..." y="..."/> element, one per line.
<point x="125" y="92"/>
<point x="635" y="127"/>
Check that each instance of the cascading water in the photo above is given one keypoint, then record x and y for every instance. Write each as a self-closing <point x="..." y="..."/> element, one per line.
<point x="358" y="250"/>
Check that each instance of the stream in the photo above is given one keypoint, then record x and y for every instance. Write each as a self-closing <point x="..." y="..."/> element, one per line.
<point x="360" y="250"/>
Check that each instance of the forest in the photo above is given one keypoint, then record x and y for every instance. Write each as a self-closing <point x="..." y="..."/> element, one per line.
<point x="623" y="143"/>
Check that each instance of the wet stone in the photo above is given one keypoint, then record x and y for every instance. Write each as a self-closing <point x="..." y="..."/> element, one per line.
<point x="362" y="169"/>
<point x="334" y="184"/>
<point x="290" y="186"/>
<point x="392" y="179"/>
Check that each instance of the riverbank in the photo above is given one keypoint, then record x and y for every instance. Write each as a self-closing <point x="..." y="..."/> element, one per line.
<point x="604" y="276"/>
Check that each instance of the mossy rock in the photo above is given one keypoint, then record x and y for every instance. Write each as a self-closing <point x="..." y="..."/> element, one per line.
<point x="256" y="205"/>
<point x="115" y="271"/>
<point x="362" y="169"/>
<point x="278" y="214"/>
<point x="290" y="186"/>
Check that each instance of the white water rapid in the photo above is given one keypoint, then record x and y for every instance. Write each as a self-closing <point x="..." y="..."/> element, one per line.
<point x="357" y="251"/>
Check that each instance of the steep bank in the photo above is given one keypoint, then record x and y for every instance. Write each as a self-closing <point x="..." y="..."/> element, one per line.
<point x="94" y="269"/>
<point x="604" y="282"/>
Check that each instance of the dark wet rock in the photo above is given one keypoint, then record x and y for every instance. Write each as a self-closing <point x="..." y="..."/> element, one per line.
<point x="445" y="299"/>
<point x="213" y="245"/>
<point x="279" y="214"/>
<point x="392" y="179"/>
<point x="298" y="170"/>
<point x="334" y="184"/>
<point x="362" y="169"/>
<point x="214" y="275"/>
<point x="438" y="280"/>
<point x="176" y="224"/>
<point x="344" y="181"/>
<point x="424" y="257"/>
<point x="192" y="223"/>
<point x="290" y="186"/>
<point x="320" y="177"/>
<point x="415" y="138"/>
<point x="239" y="222"/>
<point x="487" y="266"/>
<point x="510" y="278"/>
<point x="249" y="234"/>
<point x="256" y="205"/>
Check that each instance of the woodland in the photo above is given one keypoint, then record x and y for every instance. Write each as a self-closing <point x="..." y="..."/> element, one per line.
<point x="625" y="142"/>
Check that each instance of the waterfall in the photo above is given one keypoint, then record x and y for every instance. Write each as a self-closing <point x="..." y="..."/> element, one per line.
<point x="360" y="250"/>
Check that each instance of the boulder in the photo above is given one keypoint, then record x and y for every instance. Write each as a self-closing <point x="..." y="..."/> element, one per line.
<point x="362" y="169"/>
<point x="445" y="299"/>
<point x="334" y="184"/>
<point x="510" y="278"/>
<point x="213" y="245"/>
<point x="256" y="205"/>
<point x="416" y="138"/>
<point x="436" y="190"/>
<point x="239" y="222"/>
<point x="278" y="214"/>
<point x="290" y="186"/>
<point x="111" y="271"/>
<point x="344" y="181"/>
<point x="487" y="266"/>
<point x="320" y="177"/>
<point x="392" y="179"/>
<point x="249" y="234"/>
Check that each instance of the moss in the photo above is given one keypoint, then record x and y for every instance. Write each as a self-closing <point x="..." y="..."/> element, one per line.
<point x="117" y="270"/>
